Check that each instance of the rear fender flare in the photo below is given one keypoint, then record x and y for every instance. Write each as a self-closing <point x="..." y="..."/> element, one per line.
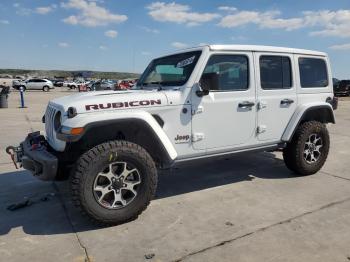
<point x="303" y="113"/>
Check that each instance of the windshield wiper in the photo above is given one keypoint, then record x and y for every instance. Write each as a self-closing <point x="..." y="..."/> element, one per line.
<point x="158" y="83"/>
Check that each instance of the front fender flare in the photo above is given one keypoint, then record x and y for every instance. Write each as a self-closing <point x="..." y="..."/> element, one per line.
<point x="89" y="121"/>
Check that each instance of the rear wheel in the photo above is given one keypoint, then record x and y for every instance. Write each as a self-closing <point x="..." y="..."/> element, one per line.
<point x="114" y="182"/>
<point x="308" y="150"/>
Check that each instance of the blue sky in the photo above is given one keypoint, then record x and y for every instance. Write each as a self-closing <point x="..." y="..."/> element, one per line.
<point x="116" y="35"/>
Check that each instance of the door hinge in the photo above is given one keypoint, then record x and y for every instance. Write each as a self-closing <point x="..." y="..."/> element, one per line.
<point x="198" y="110"/>
<point x="261" y="129"/>
<point x="197" y="137"/>
<point x="262" y="104"/>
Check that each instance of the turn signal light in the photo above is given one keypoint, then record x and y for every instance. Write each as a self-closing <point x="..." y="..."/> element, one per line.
<point x="76" y="131"/>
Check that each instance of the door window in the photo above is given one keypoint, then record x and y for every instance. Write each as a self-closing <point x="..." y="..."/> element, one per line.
<point x="230" y="72"/>
<point x="275" y="72"/>
<point x="313" y="72"/>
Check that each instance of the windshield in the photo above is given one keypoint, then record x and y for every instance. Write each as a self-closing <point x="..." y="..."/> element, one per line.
<point x="172" y="70"/>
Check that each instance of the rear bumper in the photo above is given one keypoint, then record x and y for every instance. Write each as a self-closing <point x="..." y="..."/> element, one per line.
<point x="342" y="93"/>
<point x="36" y="158"/>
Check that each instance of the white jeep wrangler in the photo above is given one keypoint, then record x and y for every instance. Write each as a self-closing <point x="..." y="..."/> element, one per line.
<point x="203" y="102"/>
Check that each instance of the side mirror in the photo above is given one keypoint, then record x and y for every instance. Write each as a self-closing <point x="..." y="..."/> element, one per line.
<point x="209" y="81"/>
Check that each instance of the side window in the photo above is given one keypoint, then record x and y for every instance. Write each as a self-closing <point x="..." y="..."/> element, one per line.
<point x="275" y="72"/>
<point x="313" y="72"/>
<point x="229" y="72"/>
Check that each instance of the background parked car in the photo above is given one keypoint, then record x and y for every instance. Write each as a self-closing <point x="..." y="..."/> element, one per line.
<point x="125" y="84"/>
<point x="342" y="88"/>
<point x="34" y="84"/>
<point x="70" y="84"/>
<point x="102" y="85"/>
<point x="57" y="83"/>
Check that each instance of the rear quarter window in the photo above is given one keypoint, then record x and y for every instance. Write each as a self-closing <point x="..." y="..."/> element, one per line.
<point x="313" y="72"/>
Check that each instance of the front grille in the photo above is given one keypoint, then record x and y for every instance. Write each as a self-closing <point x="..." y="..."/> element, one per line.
<point x="49" y="123"/>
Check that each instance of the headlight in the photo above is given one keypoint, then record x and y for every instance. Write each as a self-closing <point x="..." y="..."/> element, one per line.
<point x="57" y="121"/>
<point x="71" y="112"/>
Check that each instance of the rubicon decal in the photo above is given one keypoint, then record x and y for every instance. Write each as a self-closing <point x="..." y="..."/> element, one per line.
<point x="123" y="104"/>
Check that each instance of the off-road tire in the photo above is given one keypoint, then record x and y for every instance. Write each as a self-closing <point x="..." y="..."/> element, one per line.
<point x="46" y="88"/>
<point x="293" y="154"/>
<point x="90" y="164"/>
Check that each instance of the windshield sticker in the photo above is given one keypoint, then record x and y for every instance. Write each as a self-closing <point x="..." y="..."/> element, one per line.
<point x="185" y="62"/>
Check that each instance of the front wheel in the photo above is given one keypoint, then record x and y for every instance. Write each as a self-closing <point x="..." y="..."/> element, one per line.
<point x="308" y="150"/>
<point x="46" y="89"/>
<point x="114" y="182"/>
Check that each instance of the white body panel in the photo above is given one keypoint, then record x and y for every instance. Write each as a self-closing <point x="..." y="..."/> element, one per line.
<point x="212" y="124"/>
<point x="218" y="117"/>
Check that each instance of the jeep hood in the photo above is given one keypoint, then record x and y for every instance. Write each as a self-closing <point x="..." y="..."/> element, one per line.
<point x="111" y="100"/>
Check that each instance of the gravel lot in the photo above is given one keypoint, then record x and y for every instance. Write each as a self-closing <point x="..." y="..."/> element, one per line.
<point x="246" y="208"/>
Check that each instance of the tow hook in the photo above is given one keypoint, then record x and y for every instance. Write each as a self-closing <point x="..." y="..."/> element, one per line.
<point x="13" y="152"/>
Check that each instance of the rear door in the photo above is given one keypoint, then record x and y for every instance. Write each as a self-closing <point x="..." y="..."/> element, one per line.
<point x="41" y="83"/>
<point x="31" y="84"/>
<point x="276" y="94"/>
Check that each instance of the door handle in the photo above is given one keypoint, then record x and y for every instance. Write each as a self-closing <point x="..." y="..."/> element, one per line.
<point x="246" y="104"/>
<point x="287" y="101"/>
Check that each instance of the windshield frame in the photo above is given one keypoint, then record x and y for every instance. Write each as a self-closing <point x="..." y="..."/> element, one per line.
<point x="161" y="85"/>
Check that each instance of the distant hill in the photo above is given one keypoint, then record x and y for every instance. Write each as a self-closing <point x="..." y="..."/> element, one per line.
<point x="62" y="73"/>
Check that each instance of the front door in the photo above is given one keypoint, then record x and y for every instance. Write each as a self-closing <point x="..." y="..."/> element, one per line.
<point x="276" y="92"/>
<point x="226" y="117"/>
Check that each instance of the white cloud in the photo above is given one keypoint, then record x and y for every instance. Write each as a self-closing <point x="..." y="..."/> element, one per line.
<point x="326" y="22"/>
<point x="63" y="44"/>
<point x="150" y="30"/>
<point x="43" y="10"/>
<point x="145" y="53"/>
<point x="4" y="22"/>
<point x="227" y="8"/>
<point x="102" y="47"/>
<point x="179" y="45"/>
<point x="111" y="33"/>
<point x="90" y="14"/>
<point x="340" y="47"/>
<point x="332" y="23"/>
<point x="177" y="13"/>
<point x="264" y="20"/>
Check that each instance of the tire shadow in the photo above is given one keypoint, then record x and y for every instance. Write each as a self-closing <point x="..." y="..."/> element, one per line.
<point x="57" y="215"/>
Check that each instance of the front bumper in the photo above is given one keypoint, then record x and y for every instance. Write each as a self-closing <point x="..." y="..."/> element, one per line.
<point x="34" y="156"/>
